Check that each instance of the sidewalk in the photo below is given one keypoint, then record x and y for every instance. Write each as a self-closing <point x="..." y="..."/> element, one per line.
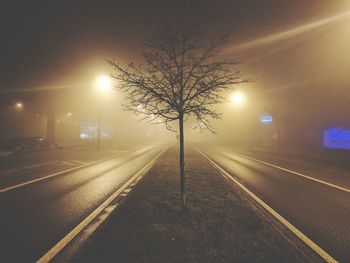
<point x="219" y="225"/>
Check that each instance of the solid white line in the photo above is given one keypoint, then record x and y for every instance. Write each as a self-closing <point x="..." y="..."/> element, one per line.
<point x="69" y="237"/>
<point x="299" y="174"/>
<point x="322" y="253"/>
<point x="60" y="173"/>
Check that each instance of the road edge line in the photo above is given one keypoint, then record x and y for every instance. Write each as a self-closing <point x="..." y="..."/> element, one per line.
<point x="3" y="190"/>
<point x="322" y="253"/>
<point x="49" y="255"/>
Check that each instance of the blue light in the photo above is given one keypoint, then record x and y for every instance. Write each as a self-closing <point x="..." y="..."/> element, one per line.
<point x="266" y="118"/>
<point x="336" y="138"/>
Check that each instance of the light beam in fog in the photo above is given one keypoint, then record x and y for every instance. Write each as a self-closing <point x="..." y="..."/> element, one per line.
<point x="44" y="88"/>
<point x="285" y="35"/>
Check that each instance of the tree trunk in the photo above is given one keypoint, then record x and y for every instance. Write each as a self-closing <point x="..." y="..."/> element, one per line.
<point x="182" y="162"/>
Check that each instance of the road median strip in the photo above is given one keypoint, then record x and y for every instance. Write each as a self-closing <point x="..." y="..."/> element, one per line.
<point x="152" y="226"/>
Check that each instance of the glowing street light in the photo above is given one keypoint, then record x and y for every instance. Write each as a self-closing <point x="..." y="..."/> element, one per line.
<point x="238" y="98"/>
<point x="103" y="83"/>
<point x="19" y="106"/>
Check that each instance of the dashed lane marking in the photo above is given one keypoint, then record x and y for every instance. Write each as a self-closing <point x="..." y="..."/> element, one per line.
<point x="9" y="172"/>
<point x="3" y="190"/>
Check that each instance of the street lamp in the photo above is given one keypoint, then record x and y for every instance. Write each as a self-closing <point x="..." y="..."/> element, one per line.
<point x="103" y="85"/>
<point x="19" y="106"/>
<point x="238" y="98"/>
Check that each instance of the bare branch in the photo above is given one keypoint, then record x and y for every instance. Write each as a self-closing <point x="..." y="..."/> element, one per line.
<point x="181" y="77"/>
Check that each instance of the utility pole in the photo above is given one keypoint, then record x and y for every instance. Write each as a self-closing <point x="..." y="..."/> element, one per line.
<point x="51" y="124"/>
<point x="98" y="129"/>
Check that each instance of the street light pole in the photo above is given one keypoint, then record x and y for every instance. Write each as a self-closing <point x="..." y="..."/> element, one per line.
<point x="98" y="129"/>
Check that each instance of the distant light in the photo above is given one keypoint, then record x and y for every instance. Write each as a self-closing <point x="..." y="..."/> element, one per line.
<point x="104" y="83"/>
<point x="89" y="131"/>
<point x="238" y="98"/>
<point x="19" y="106"/>
<point x="83" y="136"/>
<point x="69" y="114"/>
<point x="266" y="118"/>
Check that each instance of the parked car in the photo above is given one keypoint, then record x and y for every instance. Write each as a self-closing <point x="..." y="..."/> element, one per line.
<point x="12" y="144"/>
<point x="18" y="144"/>
<point x="35" y="143"/>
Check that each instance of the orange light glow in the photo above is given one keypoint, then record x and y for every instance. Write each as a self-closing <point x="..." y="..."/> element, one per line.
<point x="19" y="106"/>
<point x="238" y="98"/>
<point x="104" y="83"/>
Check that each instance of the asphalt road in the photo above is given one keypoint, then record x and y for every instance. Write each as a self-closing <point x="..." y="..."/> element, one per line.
<point x="321" y="212"/>
<point x="36" y="216"/>
<point x="20" y="162"/>
<point x="34" y="165"/>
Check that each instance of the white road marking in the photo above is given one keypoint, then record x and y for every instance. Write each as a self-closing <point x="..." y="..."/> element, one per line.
<point x="26" y="168"/>
<point x="60" y="173"/>
<point x="72" y="234"/>
<point x="299" y="174"/>
<point x="68" y="163"/>
<point x="322" y="253"/>
<point x="5" y="173"/>
<point x="79" y="162"/>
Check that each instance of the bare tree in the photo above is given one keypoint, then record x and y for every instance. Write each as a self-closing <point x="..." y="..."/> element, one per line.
<point x="181" y="77"/>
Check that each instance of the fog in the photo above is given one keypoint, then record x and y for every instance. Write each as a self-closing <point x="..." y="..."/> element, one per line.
<point x="75" y="107"/>
<point x="299" y="73"/>
<point x="302" y="72"/>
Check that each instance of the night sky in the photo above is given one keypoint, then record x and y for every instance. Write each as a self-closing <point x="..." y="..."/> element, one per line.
<point x="48" y="43"/>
